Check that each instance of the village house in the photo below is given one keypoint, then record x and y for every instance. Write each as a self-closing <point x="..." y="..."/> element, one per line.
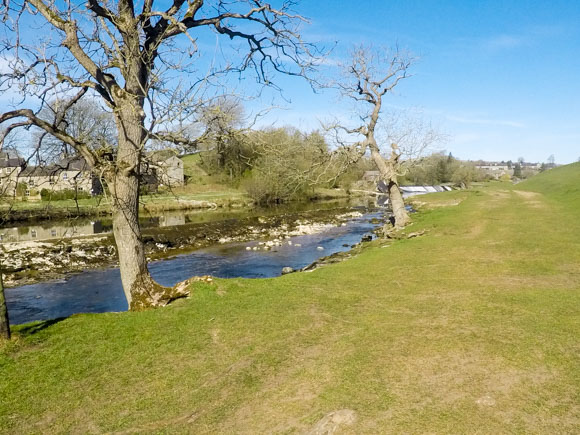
<point x="11" y="165"/>
<point x="162" y="168"/>
<point x="70" y="173"/>
<point x="168" y="167"/>
<point x="495" y="169"/>
<point x="371" y="176"/>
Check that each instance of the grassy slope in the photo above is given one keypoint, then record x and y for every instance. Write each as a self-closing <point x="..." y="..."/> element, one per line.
<point x="470" y="328"/>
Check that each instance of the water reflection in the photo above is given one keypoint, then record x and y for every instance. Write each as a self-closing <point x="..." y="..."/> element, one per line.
<point x="51" y="231"/>
<point x="58" y="229"/>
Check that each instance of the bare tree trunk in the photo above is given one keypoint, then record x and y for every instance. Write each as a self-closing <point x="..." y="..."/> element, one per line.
<point x="398" y="205"/>
<point x="4" y="320"/>
<point x="140" y="289"/>
<point x="389" y="176"/>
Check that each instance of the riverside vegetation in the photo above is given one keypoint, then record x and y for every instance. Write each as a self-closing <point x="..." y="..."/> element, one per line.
<point x="471" y="327"/>
<point x="230" y="181"/>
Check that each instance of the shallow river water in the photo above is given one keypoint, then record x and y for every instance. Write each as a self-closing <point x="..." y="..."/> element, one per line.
<point x="98" y="291"/>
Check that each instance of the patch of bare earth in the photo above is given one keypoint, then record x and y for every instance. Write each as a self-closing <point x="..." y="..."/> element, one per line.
<point x="287" y="401"/>
<point x="333" y="421"/>
<point x="476" y="230"/>
<point x="432" y="205"/>
<point x="533" y="199"/>
<point x="467" y="379"/>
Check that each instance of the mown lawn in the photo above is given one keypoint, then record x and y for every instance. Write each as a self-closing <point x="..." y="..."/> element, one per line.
<point x="470" y="328"/>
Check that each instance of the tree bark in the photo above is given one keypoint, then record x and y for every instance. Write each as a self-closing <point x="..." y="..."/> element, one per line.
<point x="388" y="174"/>
<point x="398" y="205"/>
<point x="140" y="289"/>
<point x="4" y="320"/>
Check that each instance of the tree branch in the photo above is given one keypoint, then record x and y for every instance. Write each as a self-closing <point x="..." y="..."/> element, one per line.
<point x="52" y="129"/>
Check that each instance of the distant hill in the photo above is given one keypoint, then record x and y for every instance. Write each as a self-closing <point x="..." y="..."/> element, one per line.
<point x="561" y="183"/>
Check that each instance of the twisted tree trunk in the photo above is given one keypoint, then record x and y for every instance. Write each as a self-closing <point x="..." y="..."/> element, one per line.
<point x="388" y="172"/>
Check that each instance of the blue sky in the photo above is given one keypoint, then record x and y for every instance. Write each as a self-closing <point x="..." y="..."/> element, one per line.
<point x="501" y="78"/>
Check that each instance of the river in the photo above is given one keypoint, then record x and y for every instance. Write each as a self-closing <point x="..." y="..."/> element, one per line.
<point x="96" y="291"/>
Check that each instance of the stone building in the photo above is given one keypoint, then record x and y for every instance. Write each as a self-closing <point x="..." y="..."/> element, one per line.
<point x="70" y="173"/>
<point x="495" y="169"/>
<point x="167" y="167"/>
<point x="11" y="165"/>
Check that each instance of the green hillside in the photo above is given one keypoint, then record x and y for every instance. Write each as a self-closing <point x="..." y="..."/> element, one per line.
<point x="561" y="183"/>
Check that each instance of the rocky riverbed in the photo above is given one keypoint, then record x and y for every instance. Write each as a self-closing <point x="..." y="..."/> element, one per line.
<point x="36" y="261"/>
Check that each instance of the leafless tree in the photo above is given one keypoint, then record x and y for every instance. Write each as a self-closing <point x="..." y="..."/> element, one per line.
<point x="370" y="75"/>
<point x="85" y="120"/>
<point x="143" y="60"/>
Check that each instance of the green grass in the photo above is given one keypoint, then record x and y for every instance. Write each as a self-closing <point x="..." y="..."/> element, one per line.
<point x="41" y="205"/>
<point x="561" y="184"/>
<point x="470" y="328"/>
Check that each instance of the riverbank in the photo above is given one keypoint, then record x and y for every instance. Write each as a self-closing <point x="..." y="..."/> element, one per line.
<point x="205" y="199"/>
<point x="36" y="261"/>
<point x="471" y="327"/>
<point x="31" y="211"/>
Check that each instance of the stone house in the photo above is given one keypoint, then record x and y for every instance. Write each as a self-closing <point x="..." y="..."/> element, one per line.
<point x="166" y="167"/>
<point x="495" y="169"/>
<point x="70" y="173"/>
<point x="11" y="165"/>
<point x="371" y="176"/>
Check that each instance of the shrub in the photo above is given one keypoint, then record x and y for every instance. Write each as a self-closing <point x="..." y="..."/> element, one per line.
<point x="59" y="195"/>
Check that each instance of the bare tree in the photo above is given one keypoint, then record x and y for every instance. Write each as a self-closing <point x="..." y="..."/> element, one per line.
<point x="85" y="120"/>
<point x="370" y="75"/>
<point x="143" y="61"/>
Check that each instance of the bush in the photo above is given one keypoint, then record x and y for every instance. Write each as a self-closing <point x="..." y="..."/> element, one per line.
<point x="271" y="187"/>
<point x="59" y="195"/>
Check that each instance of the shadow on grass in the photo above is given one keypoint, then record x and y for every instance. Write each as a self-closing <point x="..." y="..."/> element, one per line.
<point x="39" y="326"/>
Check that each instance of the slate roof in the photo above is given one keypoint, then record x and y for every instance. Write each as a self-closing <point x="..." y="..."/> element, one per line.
<point x="40" y="171"/>
<point x="159" y="156"/>
<point x="75" y="163"/>
<point x="10" y="159"/>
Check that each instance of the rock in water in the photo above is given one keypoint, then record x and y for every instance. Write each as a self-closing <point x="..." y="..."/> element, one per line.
<point x="286" y="270"/>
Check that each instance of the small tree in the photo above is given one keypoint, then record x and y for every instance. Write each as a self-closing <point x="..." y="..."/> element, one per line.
<point x="288" y="163"/>
<point x="369" y="76"/>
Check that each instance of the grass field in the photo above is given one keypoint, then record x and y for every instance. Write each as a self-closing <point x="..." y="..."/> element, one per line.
<point x="470" y="328"/>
